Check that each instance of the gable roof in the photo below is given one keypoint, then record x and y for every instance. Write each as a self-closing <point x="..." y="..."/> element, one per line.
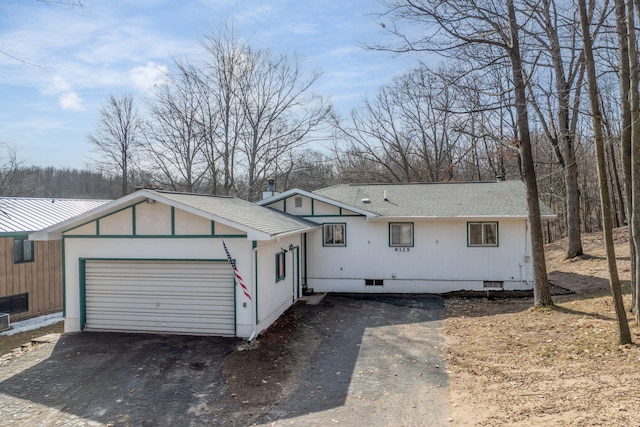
<point x="242" y="212"/>
<point x="312" y="195"/>
<point x="437" y="200"/>
<point x="29" y="214"/>
<point x="258" y="222"/>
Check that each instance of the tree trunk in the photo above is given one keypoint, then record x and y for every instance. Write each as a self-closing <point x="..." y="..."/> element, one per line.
<point x="634" y="101"/>
<point x="625" y="134"/>
<point x="541" y="289"/>
<point x="624" y="334"/>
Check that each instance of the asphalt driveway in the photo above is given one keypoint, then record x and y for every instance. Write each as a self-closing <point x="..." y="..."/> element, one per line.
<point x="373" y="361"/>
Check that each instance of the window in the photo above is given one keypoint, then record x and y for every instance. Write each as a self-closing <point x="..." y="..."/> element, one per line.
<point x="22" y="250"/>
<point x="280" y="266"/>
<point x="334" y="235"/>
<point x="14" y="303"/>
<point x="297" y="201"/>
<point x="400" y="234"/>
<point x="482" y="233"/>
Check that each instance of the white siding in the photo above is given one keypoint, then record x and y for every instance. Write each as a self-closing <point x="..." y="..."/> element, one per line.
<point x="160" y="296"/>
<point x="275" y="297"/>
<point x="439" y="261"/>
<point x="153" y="219"/>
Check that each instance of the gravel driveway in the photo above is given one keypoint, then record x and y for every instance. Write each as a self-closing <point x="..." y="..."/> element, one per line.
<point x="372" y="361"/>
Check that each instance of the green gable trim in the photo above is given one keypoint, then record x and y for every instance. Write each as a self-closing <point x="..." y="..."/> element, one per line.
<point x="133" y="219"/>
<point x="83" y="293"/>
<point x="16" y="234"/>
<point x="332" y="216"/>
<point x="173" y="221"/>
<point x="98" y="219"/>
<point x="64" y="281"/>
<point x="159" y="236"/>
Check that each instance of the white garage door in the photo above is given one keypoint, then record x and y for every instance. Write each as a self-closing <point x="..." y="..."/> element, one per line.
<point x="181" y="297"/>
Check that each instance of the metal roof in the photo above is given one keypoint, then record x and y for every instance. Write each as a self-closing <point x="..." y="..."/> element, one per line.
<point x="28" y="214"/>
<point x="437" y="200"/>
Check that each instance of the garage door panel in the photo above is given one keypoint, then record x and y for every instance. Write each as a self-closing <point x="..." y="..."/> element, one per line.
<point x="160" y="296"/>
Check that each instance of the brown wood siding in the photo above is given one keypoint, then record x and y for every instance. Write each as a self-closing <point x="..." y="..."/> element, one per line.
<point x="42" y="278"/>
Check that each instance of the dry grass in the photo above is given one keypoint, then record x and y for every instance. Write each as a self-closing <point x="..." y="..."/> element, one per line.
<point x="512" y="365"/>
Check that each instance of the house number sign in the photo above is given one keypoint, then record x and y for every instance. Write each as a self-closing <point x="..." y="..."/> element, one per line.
<point x="402" y="249"/>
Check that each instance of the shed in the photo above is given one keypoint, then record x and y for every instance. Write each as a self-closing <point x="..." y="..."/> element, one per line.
<point x="159" y="262"/>
<point x="31" y="272"/>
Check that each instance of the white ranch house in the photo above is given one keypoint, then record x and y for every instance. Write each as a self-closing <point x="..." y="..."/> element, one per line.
<point x="154" y="261"/>
<point x="415" y="238"/>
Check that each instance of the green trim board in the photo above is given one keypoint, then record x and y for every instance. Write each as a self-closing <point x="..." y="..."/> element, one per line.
<point x="158" y="236"/>
<point x="173" y="221"/>
<point x="333" y="216"/>
<point x="64" y="280"/>
<point x="99" y="218"/>
<point x="17" y="234"/>
<point x="344" y="235"/>
<point x="83" y="293"/>
<point x="133" y="219"/>
<point x="157" y="259"/>
<point x="82" y="264"/>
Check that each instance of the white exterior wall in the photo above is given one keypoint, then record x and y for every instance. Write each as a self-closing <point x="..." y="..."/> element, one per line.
<point x="275" y="297"/>
<point x="156" y="249"/>
<point x="440" y="260"/>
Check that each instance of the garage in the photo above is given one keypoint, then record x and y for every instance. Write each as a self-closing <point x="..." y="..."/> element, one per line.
<point x="159" y="296"/>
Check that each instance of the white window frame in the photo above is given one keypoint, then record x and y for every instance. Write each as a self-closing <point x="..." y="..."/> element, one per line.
<point x="487" y="239"/>
<point x="402" y="242"/>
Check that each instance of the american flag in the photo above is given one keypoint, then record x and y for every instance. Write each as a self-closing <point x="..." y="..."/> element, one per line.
<point x="245" y="290"/>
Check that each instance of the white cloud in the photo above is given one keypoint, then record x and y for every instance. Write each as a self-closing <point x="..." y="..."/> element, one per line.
<point x="149" y="76"/>
<point x="71" y="101"/>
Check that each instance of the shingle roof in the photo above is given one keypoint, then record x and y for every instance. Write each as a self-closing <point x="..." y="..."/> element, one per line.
<point x="242" y="212"/>
<point x="437" y="200"/>
<point x="24" y="214"/>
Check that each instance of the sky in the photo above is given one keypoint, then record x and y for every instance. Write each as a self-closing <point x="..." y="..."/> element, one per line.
<point x="58" y="64"/>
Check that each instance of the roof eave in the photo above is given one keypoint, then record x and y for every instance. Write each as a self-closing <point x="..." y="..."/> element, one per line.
<point x="438" y="217"/>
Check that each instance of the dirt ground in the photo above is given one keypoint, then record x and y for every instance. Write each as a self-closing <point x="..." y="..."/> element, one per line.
<point x="9" y="343"/>
<point x="511" y="365"/>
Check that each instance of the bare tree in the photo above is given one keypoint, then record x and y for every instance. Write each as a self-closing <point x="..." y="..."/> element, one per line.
<point x="624" y="335"/>
<point x="279" y="109"/>
<point x="488" y="34"/>
<point x="552" y="25"/>
<point x="9" y="169"/>
<point x="232" y="118"/>
<point x="174" y="142"/>
<point x="116" y="139"/>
